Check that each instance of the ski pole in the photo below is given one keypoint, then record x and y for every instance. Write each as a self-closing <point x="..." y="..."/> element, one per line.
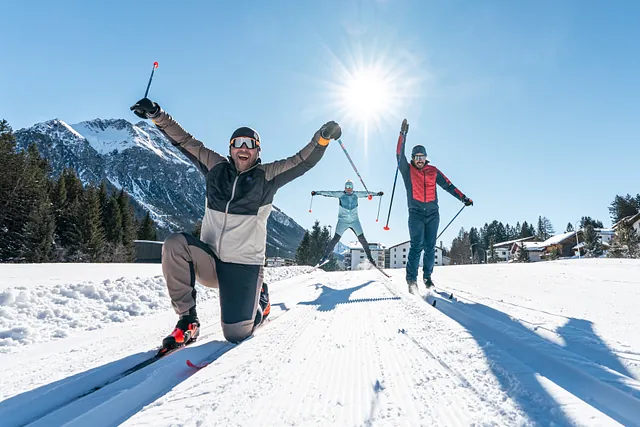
<point x="310" y="204"/>
<point x="155" y="65"/>
<point x="379" y="204"/>
<point x="404" y="129"/>
<point x="386" y="227"/>
<point x="354" y="168"/>
<point x="464" y="206"/>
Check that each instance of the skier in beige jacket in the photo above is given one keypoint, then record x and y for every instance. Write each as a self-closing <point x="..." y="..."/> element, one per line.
<point x="230" y="253"/>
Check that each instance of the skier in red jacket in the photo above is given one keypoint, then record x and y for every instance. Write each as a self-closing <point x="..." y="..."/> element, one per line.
<point x="420" y="179"/>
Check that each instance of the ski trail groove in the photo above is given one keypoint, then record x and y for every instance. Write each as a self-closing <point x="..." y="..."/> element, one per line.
<point x="80" y="388"/>
<point x="128" y="394"/>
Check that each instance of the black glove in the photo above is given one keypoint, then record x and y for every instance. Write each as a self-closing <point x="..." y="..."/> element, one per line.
<point x="380" y="193"/>
<point x="467" y="201"/>
<point x="331" y="130"/>
<point x="313" y="193"/>
<point x="145" y="108"/>
<point x="405" y="127"/>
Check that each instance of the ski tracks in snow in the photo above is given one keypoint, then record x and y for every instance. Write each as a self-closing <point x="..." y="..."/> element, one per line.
<point x="339" y="358"/>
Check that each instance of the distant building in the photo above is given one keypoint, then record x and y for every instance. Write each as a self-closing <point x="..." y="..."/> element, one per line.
<point x="536" y="250"/>
<point x="634" y="220"/>
<point x="398" y="256"/>
<point x="355" y="254"/>
<point x="278" y="262"/>
<point x="503" y="250"/>
<point x="148" y="251"/>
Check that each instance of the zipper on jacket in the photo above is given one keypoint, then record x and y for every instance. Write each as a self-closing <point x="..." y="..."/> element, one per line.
<point x="226" y="209"/>
<point x="226" y="212"/>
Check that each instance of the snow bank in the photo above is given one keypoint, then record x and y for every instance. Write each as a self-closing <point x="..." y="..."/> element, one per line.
<point x="43" y="302"/>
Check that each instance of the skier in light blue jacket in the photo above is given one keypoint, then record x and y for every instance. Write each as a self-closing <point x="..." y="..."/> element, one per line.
<point x="347" y="217"/>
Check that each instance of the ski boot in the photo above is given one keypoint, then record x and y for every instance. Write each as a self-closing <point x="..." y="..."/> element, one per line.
<point x="264" y="306"/>
<point x="413" y="287"/>
<point x="429" y="283"/>
<point x="186" y="331"/>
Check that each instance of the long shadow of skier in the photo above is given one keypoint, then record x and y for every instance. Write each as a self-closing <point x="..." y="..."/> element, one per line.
<point x="581" y="339"/>
<point x="518" y="357"/>
<point x="330" y="298"/>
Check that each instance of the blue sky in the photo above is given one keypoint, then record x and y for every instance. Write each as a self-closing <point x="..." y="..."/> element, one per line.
<point x="530" y="108"/>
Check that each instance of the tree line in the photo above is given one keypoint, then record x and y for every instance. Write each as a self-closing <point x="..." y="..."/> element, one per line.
<point x="47" y="219"/>
<point x="312" y="246"/>
<point x="477" y="244"/>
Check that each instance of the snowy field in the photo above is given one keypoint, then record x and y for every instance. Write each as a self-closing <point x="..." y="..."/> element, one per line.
<point x="554" y="343"/>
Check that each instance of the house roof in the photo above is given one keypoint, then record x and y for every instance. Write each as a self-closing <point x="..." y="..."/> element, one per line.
<point x="533" y="246"/>
<point x="631" y="219"/>
<point x="398" y="244"/>
<point x="560" y="238"/>
<point x="508" y="243"/>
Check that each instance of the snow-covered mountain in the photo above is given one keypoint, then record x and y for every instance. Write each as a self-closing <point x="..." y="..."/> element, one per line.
<point x="138" y="158"/>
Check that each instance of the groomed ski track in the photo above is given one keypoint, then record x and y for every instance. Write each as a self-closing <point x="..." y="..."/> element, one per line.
<point x="343" y="348"/>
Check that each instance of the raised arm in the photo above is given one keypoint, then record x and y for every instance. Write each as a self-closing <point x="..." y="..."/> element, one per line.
<point x="204" y="158"/>
<point x="403" y="163"/>
<point x="327" y="193"/>
<point x="286" y="170"/>
<point x="201" y="156"/>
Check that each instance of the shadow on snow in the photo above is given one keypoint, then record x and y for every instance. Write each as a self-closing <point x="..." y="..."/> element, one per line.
<point x="518" y="356"/>
<point x="330" y="298"/>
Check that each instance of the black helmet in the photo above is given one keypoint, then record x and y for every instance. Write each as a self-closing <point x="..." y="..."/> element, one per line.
<point x="246" y="132"/>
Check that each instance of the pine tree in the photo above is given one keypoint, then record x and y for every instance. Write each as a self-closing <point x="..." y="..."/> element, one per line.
<point x="626" y="242"/>
<point x="128" y="232"/>
<point x="91" y="224"/>
<point x="545" y="229"/>
<point x="103" y="198"/>
<point x="623" y="207"/>
<point x="592" y="243"/>
<point x="527" y="230"/>
<point x="523" y="253"/>
<point x="587" y="220"/>
<point x="492" y="252"/>
<point x="113" y="216"/>
<point x="13" y="200"/>
<point x="303" y="252"/>
<point x="37" y="237"/>
<point x="147" y="230"/>
<point x="569" y="228"/>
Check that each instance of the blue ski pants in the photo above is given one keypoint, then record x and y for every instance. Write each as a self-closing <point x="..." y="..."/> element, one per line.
<point x="423" y="229"/>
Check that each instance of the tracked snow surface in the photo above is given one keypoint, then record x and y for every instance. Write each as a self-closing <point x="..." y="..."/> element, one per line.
<point x="552" y="343"/>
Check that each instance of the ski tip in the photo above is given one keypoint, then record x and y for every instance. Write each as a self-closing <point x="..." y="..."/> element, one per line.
<point x="194" y="366"/>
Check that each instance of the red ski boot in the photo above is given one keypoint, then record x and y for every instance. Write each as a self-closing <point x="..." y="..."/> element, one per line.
<point x="186" y="331"/>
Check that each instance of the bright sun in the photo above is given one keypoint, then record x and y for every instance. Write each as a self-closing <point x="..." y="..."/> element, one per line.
<point x="366" y="95"/>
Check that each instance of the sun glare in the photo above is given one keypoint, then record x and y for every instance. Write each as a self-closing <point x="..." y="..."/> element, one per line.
<point x="366" y="95"/>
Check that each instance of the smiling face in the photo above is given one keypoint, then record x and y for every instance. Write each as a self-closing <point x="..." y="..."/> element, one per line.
<point x="419" y="160"/>
<point x="244" y="157"/>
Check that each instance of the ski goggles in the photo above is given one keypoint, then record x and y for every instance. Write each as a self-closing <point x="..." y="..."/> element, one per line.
<point x="246" y="141"/>
<point x="349" y="186"/>
<point x="419" y="157"/>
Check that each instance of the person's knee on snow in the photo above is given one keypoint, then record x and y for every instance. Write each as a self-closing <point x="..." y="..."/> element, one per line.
<point x="238" y="332"/>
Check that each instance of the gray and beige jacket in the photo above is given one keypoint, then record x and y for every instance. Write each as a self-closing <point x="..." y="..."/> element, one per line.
<point x="238" y="204"/>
